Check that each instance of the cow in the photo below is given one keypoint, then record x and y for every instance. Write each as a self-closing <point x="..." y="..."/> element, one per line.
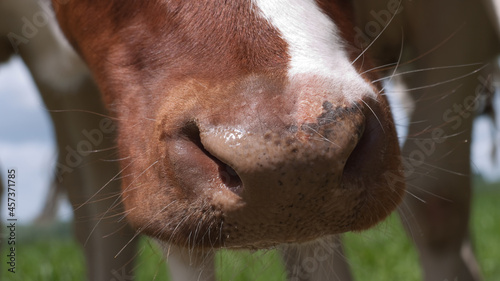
<point x="257" y="124"/>
<point x="444" y="52"/>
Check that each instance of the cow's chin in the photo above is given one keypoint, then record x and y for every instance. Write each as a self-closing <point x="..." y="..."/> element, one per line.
<point x="218" y="217"/>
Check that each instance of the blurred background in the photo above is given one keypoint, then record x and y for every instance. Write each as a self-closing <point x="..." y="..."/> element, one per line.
<point x="48" y="251"/>
<point x="27" y="142"/>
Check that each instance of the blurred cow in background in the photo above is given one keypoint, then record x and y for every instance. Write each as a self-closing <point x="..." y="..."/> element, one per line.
<point x="443" y="51"/>
<point x="84" y="134"/>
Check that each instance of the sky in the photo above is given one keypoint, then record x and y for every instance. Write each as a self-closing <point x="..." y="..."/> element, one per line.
<point x="27" y="143"/>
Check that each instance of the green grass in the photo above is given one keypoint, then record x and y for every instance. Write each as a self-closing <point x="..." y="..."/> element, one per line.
<point x="486" y="232"/>
<point x="383" y="253"/>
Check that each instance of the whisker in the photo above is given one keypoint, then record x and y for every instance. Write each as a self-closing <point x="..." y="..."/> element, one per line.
<point x="447" y="170"/>
<point x="137" y="177"/>
<point x="381" y="32"/>
<point x="116" y="231"/>
<point x="429" y="69"/>
<point x="430" y="193"/>
<point x="398" y="62"/>
<point x="321" y="136"/>
<point x="103" y="149"/>
<point x="139" y="231"/>
<point x="380" y="67"/>
<point x="446" y="81"/>
<point x="81" y="111"/>
<point x="415" y="196"/>
<point x="114" y="204"/>
<point x="116" y="160"/>
<point x="102" y="188"/>
<point x="103" y="199"/>
<point x="438" y="45"/>
<point x="374" y="114"/>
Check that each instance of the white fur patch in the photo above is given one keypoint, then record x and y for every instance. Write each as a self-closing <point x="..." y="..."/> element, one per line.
<point x="314" y="43"/>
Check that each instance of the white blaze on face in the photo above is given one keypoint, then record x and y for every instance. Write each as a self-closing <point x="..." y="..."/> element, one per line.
<point x="316" y="50"/>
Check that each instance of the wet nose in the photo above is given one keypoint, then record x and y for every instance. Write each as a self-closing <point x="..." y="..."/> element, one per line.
<point x="299" y="158"/>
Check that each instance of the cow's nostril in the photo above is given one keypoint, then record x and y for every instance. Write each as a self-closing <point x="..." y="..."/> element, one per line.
<point x="367" y="156"/>
<point x="192" y="133"/>
<point x="227" y="174"/>
<point x="230" y="178"/>
<point x="355" y="162"/>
